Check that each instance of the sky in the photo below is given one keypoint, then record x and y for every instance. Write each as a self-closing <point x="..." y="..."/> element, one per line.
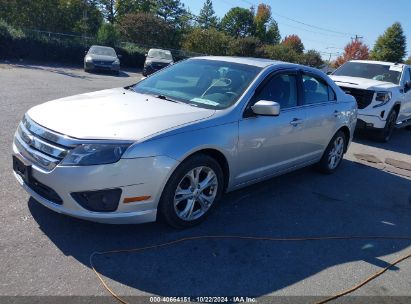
<point x="340" y="20"/>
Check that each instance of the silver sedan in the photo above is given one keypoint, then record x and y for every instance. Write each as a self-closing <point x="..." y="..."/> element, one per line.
<point x="171" y="145"/>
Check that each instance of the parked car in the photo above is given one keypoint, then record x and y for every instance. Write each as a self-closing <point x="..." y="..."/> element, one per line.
<point x="102" y="58"/>
<point x="156" y="59"/>
<point x="172" y="144"/>
<point x="382" y="91"/>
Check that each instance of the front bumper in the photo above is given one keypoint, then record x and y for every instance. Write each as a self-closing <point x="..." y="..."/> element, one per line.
<point x="370" y="122"/>
<point x="101" y="67"/>
<point x="135" y="177"/>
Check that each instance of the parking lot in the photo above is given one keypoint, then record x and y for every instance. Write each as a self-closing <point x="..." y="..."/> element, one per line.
<point x="47" y="254"/>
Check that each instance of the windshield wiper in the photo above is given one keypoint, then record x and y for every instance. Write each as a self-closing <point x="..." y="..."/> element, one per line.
<point x="164" y="97"/>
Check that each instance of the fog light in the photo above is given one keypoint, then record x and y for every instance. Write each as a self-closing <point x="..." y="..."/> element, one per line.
<point x="99" y="201"/>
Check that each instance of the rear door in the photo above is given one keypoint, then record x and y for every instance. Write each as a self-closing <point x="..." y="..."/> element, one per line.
<point x="322" y="114"/>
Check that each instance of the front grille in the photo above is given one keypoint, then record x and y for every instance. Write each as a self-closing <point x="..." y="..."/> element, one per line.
<point x="363" y="97"/>
<point x="159" y="65"/>
<point x="40" y="146"/>
<point x="103" y="62"/>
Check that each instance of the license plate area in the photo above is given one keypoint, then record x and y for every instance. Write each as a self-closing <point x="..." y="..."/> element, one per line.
<point x="22" y="168"/>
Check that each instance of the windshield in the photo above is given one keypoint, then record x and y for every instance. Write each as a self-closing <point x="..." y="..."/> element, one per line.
<point x="204" y="83"/>
<point x="105" y="51"/>
<point x="162" y="54"/>
<point x="375" y="71"/>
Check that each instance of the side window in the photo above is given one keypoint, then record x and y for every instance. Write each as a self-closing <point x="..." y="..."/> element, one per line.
<point x="407" y="75"/>
<point x="316" y="90"/>
<point x="281" y="88"/>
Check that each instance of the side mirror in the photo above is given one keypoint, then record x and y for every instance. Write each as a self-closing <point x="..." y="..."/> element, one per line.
<point x="85" y="52"/>
<point x="267" y="108"/>
<point x="407" y="86"/>
<point x="119" y="56"/>
<point x="146" y="54"/>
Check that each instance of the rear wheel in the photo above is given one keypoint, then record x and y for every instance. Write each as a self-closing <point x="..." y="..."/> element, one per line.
<point x="334" y="153"/>
<point x="386" y="133"/>
<point x="192" y="192"/>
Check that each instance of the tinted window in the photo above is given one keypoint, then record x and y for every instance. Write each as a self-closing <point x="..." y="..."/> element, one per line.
<point x="381" y="72"/>
<point x="282" y="89"/>
<point x="316" y="90"/>
<point x="204" y="83"/>
<point x="407" y="75"/>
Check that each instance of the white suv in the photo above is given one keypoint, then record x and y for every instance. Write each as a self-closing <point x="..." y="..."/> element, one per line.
<point x="382" y="91"/>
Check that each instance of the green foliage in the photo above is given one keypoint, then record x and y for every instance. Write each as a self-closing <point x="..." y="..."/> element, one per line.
<point x="281" y="52"/>
<point x="272" y="36"/>
<point x="171" y="11"/>
<point x="9" y="32"/>
<point x="207" y="17"/>
<point x="211" y="42"/>
<point x="312" y="58"/>
<point x="147" y="29"/>
<point x="391" y="46"/>
<point x="408" y="61"/>
<point x="238" y="22"/>
<point x="108" y="35"/>
<point x="57" y="16"/>
<point x="245" y="47"/>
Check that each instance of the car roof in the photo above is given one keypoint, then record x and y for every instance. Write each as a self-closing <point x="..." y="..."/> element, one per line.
<point x="379" y="62"/>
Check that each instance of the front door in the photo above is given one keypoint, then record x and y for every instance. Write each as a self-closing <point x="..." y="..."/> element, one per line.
<point x="271" y="144"/>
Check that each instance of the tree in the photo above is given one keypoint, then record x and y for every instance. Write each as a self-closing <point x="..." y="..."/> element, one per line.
<point x="281" y="52"/>
<point x="294" y="42"/>
<point x="312" y="58"/>
<point x="355" y="50"/>
<point x="81" y="16"/>
<point x="408" y="61"/>
<point x="391" y="46"/>
<point x="147" y="29"/>
<point x="207" y="17"/>
<point x="109" y="9"/>
<point x="124" y="7"/>
<point x="171" y="11"/>
<point x="238" y="22"/>
<point x="273" y="35"/>
<point x="266" y="29"/>
<point x="196" y="41"/>
<point x="108" y="35"/>
<point x="245" y="47"/>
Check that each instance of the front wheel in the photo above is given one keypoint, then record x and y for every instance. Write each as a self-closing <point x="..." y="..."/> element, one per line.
<point x="334" y="153"/>
<point x="192" y="192"/>
<point x="386" y="133"/>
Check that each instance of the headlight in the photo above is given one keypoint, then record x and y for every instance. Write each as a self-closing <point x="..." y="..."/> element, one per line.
<point x="89" y="59"/>
<point x="116" y="61"/>
<point x="148" y="63"/>
<point x="383" y="97"/>
<point x="94" y="154"/>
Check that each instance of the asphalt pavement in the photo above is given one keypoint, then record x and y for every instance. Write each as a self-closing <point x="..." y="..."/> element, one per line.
<point x="43" y="253"/>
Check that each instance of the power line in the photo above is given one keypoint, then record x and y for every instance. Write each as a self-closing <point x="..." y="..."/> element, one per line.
<point x="303" y="23"/>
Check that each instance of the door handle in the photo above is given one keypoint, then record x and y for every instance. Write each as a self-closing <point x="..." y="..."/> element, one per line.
<point x="296" y="121"/>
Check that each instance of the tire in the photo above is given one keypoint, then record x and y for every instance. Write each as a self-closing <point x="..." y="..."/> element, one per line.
<point x="385" y="134"/>
<point x="174" y="208"/>
<point x="334" y="154"/>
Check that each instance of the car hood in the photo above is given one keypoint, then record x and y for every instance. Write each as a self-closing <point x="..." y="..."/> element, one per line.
<point x="102" y="57"/>
<point x="114" y="114"/>
<point x="362" y="83"/>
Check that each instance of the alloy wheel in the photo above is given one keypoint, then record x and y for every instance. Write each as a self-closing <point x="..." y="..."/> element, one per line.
<point x="336" y="153"/>
<point x="195" y="193"/>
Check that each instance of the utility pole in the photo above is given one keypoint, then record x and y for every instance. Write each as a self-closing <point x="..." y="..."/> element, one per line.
<point x="357" y="38"/>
